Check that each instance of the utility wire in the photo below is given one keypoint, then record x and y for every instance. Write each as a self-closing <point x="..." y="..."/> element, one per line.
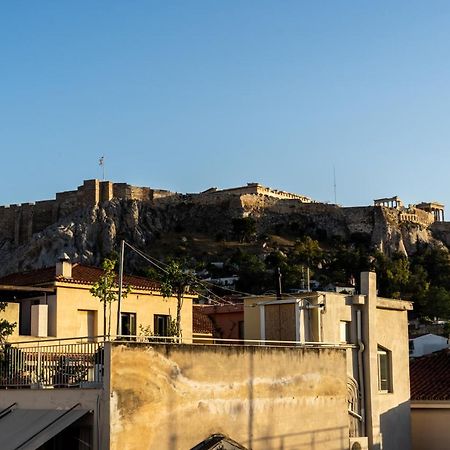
<point x="152" y="260"/>
<point x="158" y="264"/>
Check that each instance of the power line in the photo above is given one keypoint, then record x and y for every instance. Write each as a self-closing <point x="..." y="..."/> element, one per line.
<point x="152" y="260"/>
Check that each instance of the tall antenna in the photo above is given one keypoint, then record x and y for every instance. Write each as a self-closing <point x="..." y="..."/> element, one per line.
<point x="101" y="163"/>
<point x="334" y="185"/>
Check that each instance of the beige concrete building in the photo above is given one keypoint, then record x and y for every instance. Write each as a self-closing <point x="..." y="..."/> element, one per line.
<point x="56" y="302"/>
<point x="377" y="360"/>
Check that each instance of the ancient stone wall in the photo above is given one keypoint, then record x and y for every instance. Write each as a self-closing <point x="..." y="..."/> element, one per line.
<point x="255" y="189"/>
<point x="19" y="222"/>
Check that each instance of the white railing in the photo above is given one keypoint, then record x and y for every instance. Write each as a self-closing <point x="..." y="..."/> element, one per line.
<point x="52" y="365"/>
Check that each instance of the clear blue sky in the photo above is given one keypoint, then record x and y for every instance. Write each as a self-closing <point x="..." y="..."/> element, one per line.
<point x="185" y="95"/>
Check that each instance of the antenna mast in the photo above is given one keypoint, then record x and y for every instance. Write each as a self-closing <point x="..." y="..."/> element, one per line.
<point x="334" y="185"/>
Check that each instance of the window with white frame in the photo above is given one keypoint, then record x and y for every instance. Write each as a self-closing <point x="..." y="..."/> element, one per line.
<point x="384" y="358"/>
<point x="344" y="331"/>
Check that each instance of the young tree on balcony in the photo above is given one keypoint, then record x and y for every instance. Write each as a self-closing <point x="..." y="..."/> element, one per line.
<point x="105" y="289"/>
<point x="176" y="281"/>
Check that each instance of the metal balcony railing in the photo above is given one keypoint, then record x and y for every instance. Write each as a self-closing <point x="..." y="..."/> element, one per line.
<point x="52" y="365"/>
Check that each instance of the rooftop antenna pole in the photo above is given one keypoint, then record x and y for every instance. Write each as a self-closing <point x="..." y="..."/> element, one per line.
<point x="334" y="185"/>
<point x="119" y="299"/>
<point x="279" y="296"/>
<point x="101" y="163"/>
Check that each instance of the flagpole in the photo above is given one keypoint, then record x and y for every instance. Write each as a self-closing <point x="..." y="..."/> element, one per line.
<point x="101" y="163"/>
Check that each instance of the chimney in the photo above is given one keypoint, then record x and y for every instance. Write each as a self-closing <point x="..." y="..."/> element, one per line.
<point x="369" y="283"/>
<point x="64" y="267"/>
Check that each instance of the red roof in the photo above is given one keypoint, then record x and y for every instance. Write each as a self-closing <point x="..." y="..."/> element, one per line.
<point x="80" y="275"/>
<point x="201" y="323"/>
<point x="430" y="376"/>
<point x="224" y="309"/>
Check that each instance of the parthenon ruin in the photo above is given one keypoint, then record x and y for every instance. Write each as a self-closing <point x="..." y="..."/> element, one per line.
<point x="424" y="213"/>
<point x="435" y="208"/>
<point x="389" y="202"/>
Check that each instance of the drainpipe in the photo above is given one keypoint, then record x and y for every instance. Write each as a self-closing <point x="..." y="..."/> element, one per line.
<point x="362" y="409"/>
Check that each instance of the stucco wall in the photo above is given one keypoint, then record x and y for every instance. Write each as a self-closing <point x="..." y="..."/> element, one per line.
<point x="72" y="298"/>
<point x="174" y="396"/>
<point x="393" y="408"/>
<point x="430" y="426"/>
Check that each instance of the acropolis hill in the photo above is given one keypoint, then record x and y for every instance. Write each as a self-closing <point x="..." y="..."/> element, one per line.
<point x="87" y="223"/>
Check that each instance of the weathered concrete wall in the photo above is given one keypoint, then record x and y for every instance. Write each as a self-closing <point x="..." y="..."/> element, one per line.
<point x="174" y="396"/>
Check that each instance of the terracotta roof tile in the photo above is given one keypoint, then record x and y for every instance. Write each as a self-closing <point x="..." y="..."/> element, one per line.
<point x="81" y="274"/>
<point x="30" y="278"/>
<point x="201" y="323"/>
<point x="430" y="376"/>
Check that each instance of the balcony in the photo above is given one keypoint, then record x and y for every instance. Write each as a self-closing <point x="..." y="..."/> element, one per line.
<point x="52" y="364"/>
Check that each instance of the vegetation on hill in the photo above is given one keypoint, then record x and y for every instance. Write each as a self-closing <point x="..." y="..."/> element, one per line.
<point x="423" y="277"/>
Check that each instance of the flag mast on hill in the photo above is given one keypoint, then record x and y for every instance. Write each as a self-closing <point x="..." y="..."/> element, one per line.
<point x="101" y="163"/>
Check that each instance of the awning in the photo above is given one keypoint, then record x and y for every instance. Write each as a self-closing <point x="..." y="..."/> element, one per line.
<point x="27" y="429"/>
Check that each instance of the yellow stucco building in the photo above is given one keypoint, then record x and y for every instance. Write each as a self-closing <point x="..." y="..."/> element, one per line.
<point x="56" y="302"/>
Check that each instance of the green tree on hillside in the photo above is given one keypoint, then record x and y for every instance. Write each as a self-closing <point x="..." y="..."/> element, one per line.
<point x="244" y="229"/>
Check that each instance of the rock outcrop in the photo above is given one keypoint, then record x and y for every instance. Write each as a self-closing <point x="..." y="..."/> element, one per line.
<point x="91" y="233"/>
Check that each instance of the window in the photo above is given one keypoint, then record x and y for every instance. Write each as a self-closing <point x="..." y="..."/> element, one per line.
<point x="344" y="331"/>
<point x="384" y="370"/>
<point x="161" y="325"/>
<point x="128" y="324"/>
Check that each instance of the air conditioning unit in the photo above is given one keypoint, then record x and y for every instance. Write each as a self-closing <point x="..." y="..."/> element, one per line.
<point x="358" y="443"/>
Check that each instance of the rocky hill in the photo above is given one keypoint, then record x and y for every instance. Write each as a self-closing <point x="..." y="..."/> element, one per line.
<point x="194" y="226"/>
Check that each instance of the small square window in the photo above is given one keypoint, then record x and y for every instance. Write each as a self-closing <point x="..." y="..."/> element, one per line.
<point x="161" y="325"/>
<point x="128" y="324"/>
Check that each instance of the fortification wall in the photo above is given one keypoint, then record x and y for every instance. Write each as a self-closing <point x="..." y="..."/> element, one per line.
<point x="19" y="222"/>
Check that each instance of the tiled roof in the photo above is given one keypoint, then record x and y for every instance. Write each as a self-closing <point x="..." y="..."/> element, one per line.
<point x="30" y="278"/>
<point x="430" y="376"/>
<point x="223" y="309"/>
<point x="80" y="275"/>
<point x="201" y="323"/>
